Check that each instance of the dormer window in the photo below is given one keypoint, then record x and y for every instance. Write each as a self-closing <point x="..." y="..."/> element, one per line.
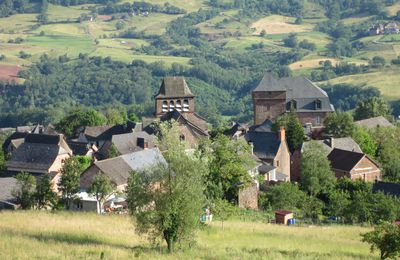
<point x="291" y="105"/>
<point x="318" y="104"/>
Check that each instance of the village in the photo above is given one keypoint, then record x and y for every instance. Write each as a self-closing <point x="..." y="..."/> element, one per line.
<point x="117" y="151"/>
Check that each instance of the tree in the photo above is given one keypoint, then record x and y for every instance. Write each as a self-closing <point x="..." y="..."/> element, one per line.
<point x="285" y="195"/>
<point x="365" y="140"/>
<point x="339" y="201"/>
<point x="291" y="41"/>
<point x="26" y="190"/>
<point x="44" y="195"/>
<point x="339" y="124"/>
<point x="294" y="130"/>
<point x="229" y="162"/>
<point x="386" y="238"/>
<point x="166" y="200"/>
<point x="70" y="181"/>
<point x="316" y="174"/>
<point x="378" y="62"/>
<point x="371" y="107"/>
<point x="101" y="189"/>
<point x="79" y="117"/>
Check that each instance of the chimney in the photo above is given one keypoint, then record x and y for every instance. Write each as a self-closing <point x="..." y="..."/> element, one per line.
<point x="282" y="134"/>
<point x="332" y="142"/>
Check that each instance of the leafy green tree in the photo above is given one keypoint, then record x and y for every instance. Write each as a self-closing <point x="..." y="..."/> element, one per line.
<point x="378" y="62"/>
<point x="79" y="117"/>
<point x="229" y="163"/>
<point x="286" y="196"/>
<point x="339" y="124"/>
<point x="312" y="207"/>
<point x="44" y="195"/>
<point x="294" y="130"/>
<point x="371" y="107"/>
<point x="365" y="141"/>
<point x="115" y="117"/>
<point x="386" y="238"/>
<point x="70" y="181"/>
<point x="166" y="200"/>
<point x="339" y="201"/>
<point x="316" y="174"/>
<point x="101" y="188"/>
<point x="26" y="190"/>
<point x="291" y="41"/>
<point x="84" y="162"/>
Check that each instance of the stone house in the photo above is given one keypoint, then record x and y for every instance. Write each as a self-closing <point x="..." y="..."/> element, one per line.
<point x="275" y="97"/>
<point x="354" y="165"/>
<point x="40" y="154"/>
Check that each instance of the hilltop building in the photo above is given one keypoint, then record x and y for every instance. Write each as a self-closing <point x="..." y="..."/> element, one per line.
<point x="274" y="97"/>
<point x="175" y="101"/>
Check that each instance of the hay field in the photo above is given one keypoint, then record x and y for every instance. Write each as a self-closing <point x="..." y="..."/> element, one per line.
<point x="42" y="235"/>
<point x="278" y="24"/>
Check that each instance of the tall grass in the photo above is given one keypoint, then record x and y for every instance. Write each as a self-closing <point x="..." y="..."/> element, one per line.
<point x="43" y="235"/>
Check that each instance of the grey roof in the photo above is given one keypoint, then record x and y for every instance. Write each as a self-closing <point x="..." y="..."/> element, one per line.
<point x="95" y="133"/>
<point x="120" y="168"/>
<point x="345" y="143"/>
<point x="265" y="142"/>
<point x="265" y="168"/>
<point x="38" y="152"/>
<point x="128" y="143"/>
<point x="344" y="160"/>
<point x="388" y="188"/>
<point x="299" y="89"/>
<point x="374" y="122"/>
<point x="174" y="87"/>
<point x="13" y="136"/>
<point x="8" y="185"/>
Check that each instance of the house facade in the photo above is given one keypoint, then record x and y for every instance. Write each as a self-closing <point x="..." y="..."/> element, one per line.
<point x="354" y="165"/>
<point x="275" y="97"/>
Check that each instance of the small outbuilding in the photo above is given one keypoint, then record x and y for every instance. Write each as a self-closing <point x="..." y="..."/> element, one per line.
<point x="283" y="216"/>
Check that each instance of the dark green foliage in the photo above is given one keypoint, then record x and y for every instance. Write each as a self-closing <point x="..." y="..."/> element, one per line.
<point x="385" y="238"/>
<point x="229" y="163"/>
<point x="78" y="118"/>
<point x="70" y="181"/>
<point x="44" y="196"/>
<point x="294" y="130"/>
<point x="339" y="124"/>
<point x="346" y="96"/>
<point x="316" y="174"/>
<point x="305" y="44"/>
<point x="291" y="41"/>
<point x="25" y="192"/>
<point x="139" y="7"/>
<point x="285" y="196"/>
<point x="365" y="140"/>
<point x="371" y="107"/>
<point x="377" y="62"/>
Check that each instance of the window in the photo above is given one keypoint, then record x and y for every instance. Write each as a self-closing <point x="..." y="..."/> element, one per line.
<point x="318" y="120"/>
<point x="291" y="105"/>
<point x="277" y="163"/>
<point x="318" y="105"/>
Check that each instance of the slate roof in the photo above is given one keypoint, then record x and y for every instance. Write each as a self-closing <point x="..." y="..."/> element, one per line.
<point x="174" y="87"/>
<point x="120" y="168"/>
<point x="13" y="136"/>
<point x="299" y="89"/>
<point x="38" y="152"/>
<point x="79" y="148"/>
<point x="197" y="124"/>
<point x="345" y="143"/>
<point x="266" y="143"/>
<point x="8" y="185"/>
<point x="265" y="168"/>
<point x="128" y="143"/>
<point x="344" y="160"/>
<point x="94" y="133"/>
<point x="374" y="122"/>
<point x="235" y="128"/>
<point x="388" y="188"/>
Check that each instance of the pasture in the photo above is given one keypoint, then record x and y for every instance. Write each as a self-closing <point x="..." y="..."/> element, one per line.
<point x="45" y="235"/>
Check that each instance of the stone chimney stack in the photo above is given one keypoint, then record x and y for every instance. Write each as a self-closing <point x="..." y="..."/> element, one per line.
<point x="282" y="134"/>
<point x="332" y="142"/>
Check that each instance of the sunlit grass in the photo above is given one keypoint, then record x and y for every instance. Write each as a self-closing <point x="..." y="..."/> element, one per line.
<point x="41" y="235"/>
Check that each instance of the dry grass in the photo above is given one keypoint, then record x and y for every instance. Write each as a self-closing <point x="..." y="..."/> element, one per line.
<point x="392" y="10"/>
<point x="278" y="24"/>
<point x="41" y="235"/>
<point x="314" y="63"/>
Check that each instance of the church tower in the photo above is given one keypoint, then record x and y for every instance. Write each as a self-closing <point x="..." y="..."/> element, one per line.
<point x="174" y="94"/>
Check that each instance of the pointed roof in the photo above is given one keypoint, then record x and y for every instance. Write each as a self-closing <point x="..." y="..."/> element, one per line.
<point x="346" y="160"/>
<point x="269" y="83"/>
<point x="174" y="87"/>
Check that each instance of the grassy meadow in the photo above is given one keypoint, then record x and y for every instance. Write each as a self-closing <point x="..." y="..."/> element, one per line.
<point x="43" y="235"/>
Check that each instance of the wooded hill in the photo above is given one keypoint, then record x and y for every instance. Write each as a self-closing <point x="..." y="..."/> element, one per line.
<point x="55" y="54"/>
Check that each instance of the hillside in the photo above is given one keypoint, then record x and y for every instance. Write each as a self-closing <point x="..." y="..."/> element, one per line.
<point x="42" y="235"/>
<point x="224" y="44"/>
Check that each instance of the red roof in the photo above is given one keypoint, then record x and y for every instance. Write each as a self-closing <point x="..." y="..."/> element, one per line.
<point x="283" y="212"/>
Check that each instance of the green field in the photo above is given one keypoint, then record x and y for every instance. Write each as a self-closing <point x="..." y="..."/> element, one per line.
<point x="42" y="235"/>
